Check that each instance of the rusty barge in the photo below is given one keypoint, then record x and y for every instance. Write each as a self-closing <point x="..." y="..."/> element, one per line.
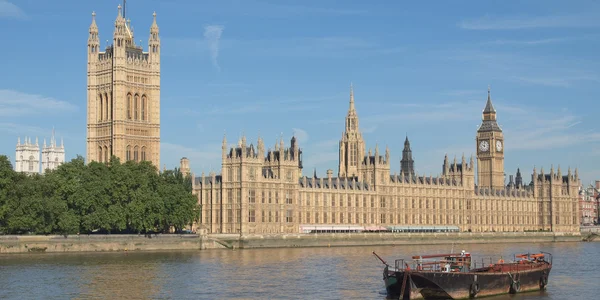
<point x="457" y="276"/>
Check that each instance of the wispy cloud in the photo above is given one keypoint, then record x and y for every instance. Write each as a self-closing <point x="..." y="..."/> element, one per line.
<point x="320" y="153"/>
<point x="547" y="129"/>
<point x="529" y="69"/>
<point x="566" y="80"/>
<point x="488" y="22"/>
<point x="23" y="129"/>
<point x="333" y="47"/>
<point x="423" y="112"/>
<point x="201" y="159"/>
<point x="10" y="10"/>
<point x="528" y="42"/>
<point x="461" y="93"/>
<point x="275" y="105"/>
<point x="280" y="10"/>
<point x="212" y="36"/>
<point x="301" y="135"/>
<point x="16" y="104"/>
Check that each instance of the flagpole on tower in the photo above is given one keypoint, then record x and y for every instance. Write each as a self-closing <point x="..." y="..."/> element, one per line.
<point x="124" y="3"/>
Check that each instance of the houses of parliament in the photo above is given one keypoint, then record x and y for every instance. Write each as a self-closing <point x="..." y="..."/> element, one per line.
<point x="263" y="190"/>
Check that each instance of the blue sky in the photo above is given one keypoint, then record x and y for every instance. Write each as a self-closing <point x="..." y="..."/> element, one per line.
<point x="283" y="67"/>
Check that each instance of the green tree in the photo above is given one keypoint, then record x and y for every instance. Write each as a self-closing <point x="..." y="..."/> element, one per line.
<point x="97" y="197"/>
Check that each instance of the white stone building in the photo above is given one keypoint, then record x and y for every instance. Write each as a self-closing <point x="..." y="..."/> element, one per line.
<point x="27" y="157"/>
<point x="53" y="155"/>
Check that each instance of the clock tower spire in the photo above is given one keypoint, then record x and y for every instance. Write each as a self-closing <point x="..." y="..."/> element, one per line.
<point x="490" y="149"/>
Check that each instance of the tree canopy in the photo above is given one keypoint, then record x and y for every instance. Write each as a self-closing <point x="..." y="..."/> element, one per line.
<point x="97" y="197"/>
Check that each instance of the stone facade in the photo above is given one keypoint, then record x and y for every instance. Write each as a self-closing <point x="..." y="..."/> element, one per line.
<point x="27" y="156"/>
<point x="263" y="191"/>
<point x="53" y="155"/>
<point x="123" y="101"/>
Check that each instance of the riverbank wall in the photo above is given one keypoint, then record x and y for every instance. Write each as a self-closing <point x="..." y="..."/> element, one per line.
<point x="165" y="242"/>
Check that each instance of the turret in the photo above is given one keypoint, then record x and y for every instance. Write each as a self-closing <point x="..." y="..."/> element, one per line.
<point x="154" y="42"/>
<point x="93" y="40"/>
<point x="224" y="148"/>
<point x="446" y="165"/>
<point x="121" y="34"/>
<point x="387" y="154"/>
<point x="261" y="147"/>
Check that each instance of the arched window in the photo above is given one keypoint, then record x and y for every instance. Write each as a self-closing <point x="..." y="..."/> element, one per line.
<point x="136" y="104"/>
<point x="31" y="163"/>
<point x="21" y="164"/>
<point x="106" y="154"/>
<point x="128" y="106"/>
<point x="143" y="153"/>
<point x="353" y="154"/>
<point x="143" y="117"/>
<point x="100" y="110"/>
<point x="100" y="154"/>
<point x="106" y="107"/>
<point x="128" y="154"/>
<point x="136" y="153"/>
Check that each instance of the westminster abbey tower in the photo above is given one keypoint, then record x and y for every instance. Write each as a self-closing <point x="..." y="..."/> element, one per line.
<point x="123" y="101"/>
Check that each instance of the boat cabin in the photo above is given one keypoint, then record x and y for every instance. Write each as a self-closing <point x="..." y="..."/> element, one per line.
<point x="454" y="262"/>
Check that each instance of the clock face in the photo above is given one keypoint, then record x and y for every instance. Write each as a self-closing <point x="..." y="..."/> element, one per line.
<point x="498" y="145"/>
<point x="484" y="146"/>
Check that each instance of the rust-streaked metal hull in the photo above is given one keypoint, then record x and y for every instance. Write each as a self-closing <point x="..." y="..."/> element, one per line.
<point x="496" y="280"/>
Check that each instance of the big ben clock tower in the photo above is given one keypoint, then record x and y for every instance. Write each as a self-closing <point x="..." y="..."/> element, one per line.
<point x="490" y="149"/>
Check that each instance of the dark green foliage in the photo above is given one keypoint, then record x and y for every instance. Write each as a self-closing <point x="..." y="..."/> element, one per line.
<point x="105" y="198"/>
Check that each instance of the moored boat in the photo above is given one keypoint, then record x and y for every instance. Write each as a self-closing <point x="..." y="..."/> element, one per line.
<point x="457" y="276"/>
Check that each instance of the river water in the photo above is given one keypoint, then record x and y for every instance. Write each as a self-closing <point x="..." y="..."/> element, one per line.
<point x="295" y="273"/>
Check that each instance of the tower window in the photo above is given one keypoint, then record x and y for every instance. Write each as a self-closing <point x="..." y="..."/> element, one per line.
<point x="135" y="153"/>
<point x="106" y="107"/>
<point x="143" y="116"/>
<point x="100" y="111"/>
<point x="128" y="153"/>
<point x="143" y="153"/>
<point x="136" y="104"/>
<point x="31" y="163"/>
<point x="353" y="154"/>
<point x="128" y="106"/>
<point x="100" y="154"/>
<point x="105" y="154"/>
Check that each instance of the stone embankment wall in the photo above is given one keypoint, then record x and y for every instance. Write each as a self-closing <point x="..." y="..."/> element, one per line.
<point x="109" y="242"/>
<point x="590" y="229"/>
<point x="373" y="239"/>
<point x="163" y="242"/>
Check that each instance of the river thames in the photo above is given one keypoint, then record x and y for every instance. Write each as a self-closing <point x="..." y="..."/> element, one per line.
<point x="296" y="273"/>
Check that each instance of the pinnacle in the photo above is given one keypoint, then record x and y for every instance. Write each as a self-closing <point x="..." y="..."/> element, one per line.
<point x="489" y="107"/>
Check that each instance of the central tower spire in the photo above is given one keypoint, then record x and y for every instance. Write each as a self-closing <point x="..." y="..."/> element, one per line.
<point x="352" y="146"/>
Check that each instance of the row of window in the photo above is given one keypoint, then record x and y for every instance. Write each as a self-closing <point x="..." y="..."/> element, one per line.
<point x="137" y="107"/>
<point x="384" y="218"/>
<point x="138" y="154"/>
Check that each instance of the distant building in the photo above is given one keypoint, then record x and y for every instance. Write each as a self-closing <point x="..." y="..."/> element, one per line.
<point x="588" y="205"/>
<point x="27" y="156"/>
<point x="52" y="155"/>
